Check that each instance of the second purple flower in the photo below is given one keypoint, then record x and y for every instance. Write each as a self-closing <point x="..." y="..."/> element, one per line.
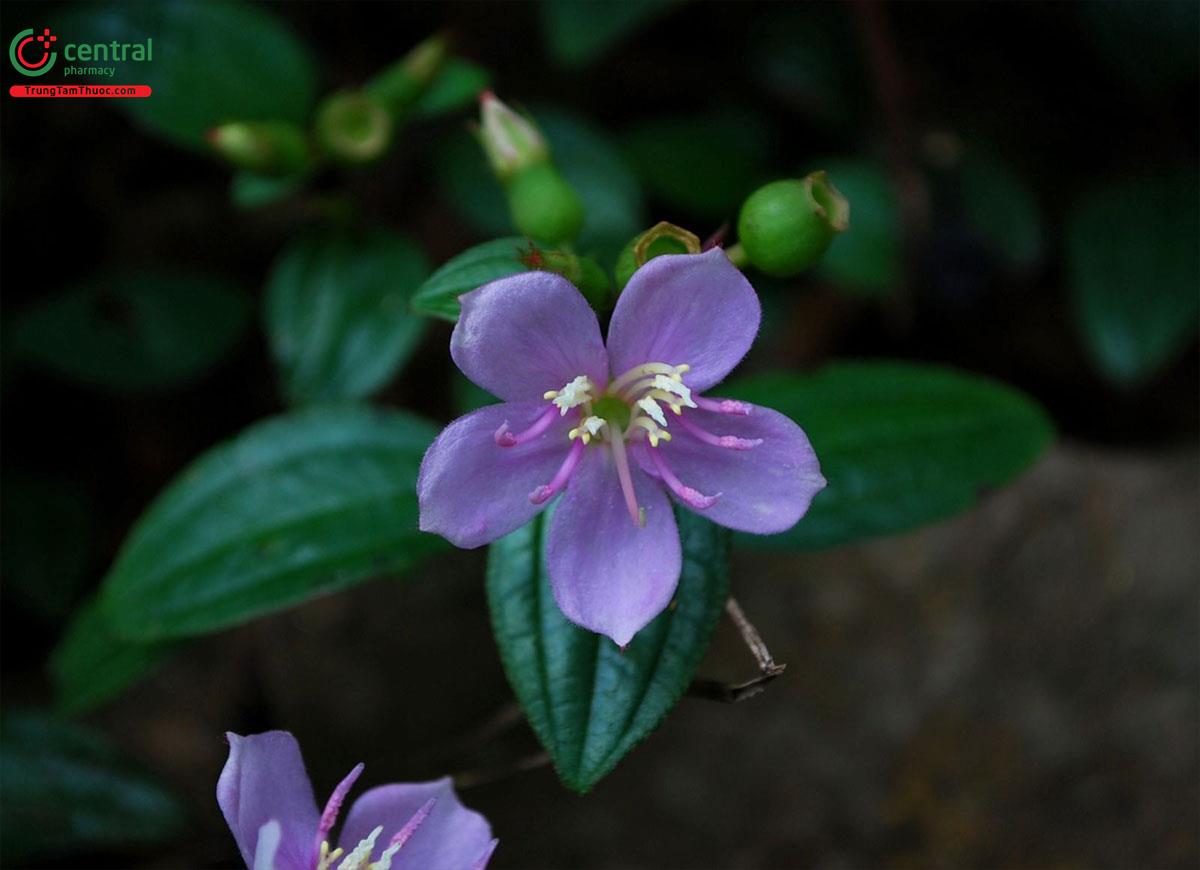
<point x="619" y="430"/>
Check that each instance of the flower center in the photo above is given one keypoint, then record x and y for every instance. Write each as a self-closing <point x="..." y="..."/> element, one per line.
<point x="631" y="406"/>
<point x="612" y="410"/>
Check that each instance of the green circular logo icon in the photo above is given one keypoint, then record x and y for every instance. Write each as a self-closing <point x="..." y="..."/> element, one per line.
<point x="24" y="50"/>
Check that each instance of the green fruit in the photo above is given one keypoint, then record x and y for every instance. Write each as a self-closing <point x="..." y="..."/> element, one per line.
<point x="785" y="226"/>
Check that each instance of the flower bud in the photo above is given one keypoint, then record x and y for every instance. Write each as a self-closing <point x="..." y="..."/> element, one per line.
<point x="353" y="127"/>
<point x="399" y="86"/>
<point x="269" y="147"/>
<point x="662" y="238"/>
<point x="543" y="205"/>
<point x="511" y="141"/>
<point x="785" y="226"/>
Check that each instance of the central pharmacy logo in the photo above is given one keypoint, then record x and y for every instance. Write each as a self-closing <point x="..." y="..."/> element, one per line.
<point x="24" y="48"/>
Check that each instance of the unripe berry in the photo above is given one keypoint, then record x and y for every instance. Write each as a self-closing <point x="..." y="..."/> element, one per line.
<point x="785" y="226"/>
<point x="662" y="238"/>
<point x="544" y="206"/>
<point x="353" y="127"/>
<point x="269" y="147"/>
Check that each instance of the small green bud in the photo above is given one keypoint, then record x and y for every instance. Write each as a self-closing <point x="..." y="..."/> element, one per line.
<point x="662" y="238"/>
<point x="785" y="226"/>
<point x="402" y="83"/>
<point x="543" y="205"/>
<point x="353" y="127"/>
<point x="512" y="142"/>
<point x="268" y="147"/>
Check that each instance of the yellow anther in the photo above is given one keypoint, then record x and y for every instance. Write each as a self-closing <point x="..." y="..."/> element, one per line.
<point x="549" y="394"/>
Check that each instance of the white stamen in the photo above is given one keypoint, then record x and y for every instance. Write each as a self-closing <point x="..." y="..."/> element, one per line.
<point x="359" y="859"/>
<point x="677" y="387"/>
<point x="326" y="858"/>
<point x="574" y="394"/>
<point x="652" y="431"/>
<point x="385" y="860"/>
<point x="651" y="407"/>
<point x="588" y="429"/>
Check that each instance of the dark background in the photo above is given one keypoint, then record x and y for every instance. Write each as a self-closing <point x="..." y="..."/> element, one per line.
<point x="1016" y="687"/>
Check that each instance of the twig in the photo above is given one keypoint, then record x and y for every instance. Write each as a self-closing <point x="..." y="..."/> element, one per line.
<point x="769" y="669"/>
<point x="483" y="775"/>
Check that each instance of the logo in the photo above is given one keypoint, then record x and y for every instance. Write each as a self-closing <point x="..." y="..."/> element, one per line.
<point x="23" y="52"/>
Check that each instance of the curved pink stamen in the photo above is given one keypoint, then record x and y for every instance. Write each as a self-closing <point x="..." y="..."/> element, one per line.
<point x="546" y="491"/>
<point x="691" y="497"/>
<point x="617" y="439"/>
<point x="334" y="805"/>
<point x="729" y="442"/>
<point x="403" y="835"/>
<point x="504" y="438"/>
<point x="723" y="406"/>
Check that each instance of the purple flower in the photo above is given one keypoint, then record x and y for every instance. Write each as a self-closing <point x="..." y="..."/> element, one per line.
<point x="268" y="802"/>
<point x="614" y="430"/>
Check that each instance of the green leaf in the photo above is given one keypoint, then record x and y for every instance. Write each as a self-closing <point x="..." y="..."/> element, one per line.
<point x="91" y="665"/>
<point x="294" y="507"/>
<point x="612" y="198"/>
<point x="213" y="62"/>
<point x="866" y="258"/>
<point x="1001" y="208"/>
<point x="252" y="190"/>
<point x="579" y="31"/>
<point x="900" y="444"/>
<point x="456" y="87"/>
<point x="468" y="396"/>
<point x="337" y="313"/>
<point x="589" y="701"/>
<point x="474" y="267"/>
<point x="728" y="150"/>
<point x="1134" y="270"/>
<point x="66" y="792"/>
<point x="134" y="333"/>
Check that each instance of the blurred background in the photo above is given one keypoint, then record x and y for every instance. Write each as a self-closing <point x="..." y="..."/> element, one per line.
<point x="1016" y="687"/>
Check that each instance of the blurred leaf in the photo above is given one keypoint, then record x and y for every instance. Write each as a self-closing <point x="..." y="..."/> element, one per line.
<point x="609" y="189"/>
<point x="704" y="165"/>
<point x="1001" y="208"/>
<point x="1134" y="270"/>
<point x="48" y="538"/>
<point x="589" y="161"/>
<point x="589" y="701"/>
<point x="474" y="267"/>
<point x="92" y="665"/>
<point x="579" y="31"/>
<point x="66" y="792"/>
<point x="866" y="258"/>
<point x="456" y="87"/>
<point x="213" y="62"/>
<point x="337" y="313"/>
<point x="294" y="507"/>
<point x="251" y="190"/>
<point x="468" y="396"/>
<point x="134" y="332"/>
<point x="901" y="444"/>
<point x="807" y="56"/>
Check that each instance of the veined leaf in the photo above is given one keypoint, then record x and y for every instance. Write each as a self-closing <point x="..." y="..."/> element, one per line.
<point x="900" y="444"/>
<point x="589" y="701"/>
<point x="294" y="507"/>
